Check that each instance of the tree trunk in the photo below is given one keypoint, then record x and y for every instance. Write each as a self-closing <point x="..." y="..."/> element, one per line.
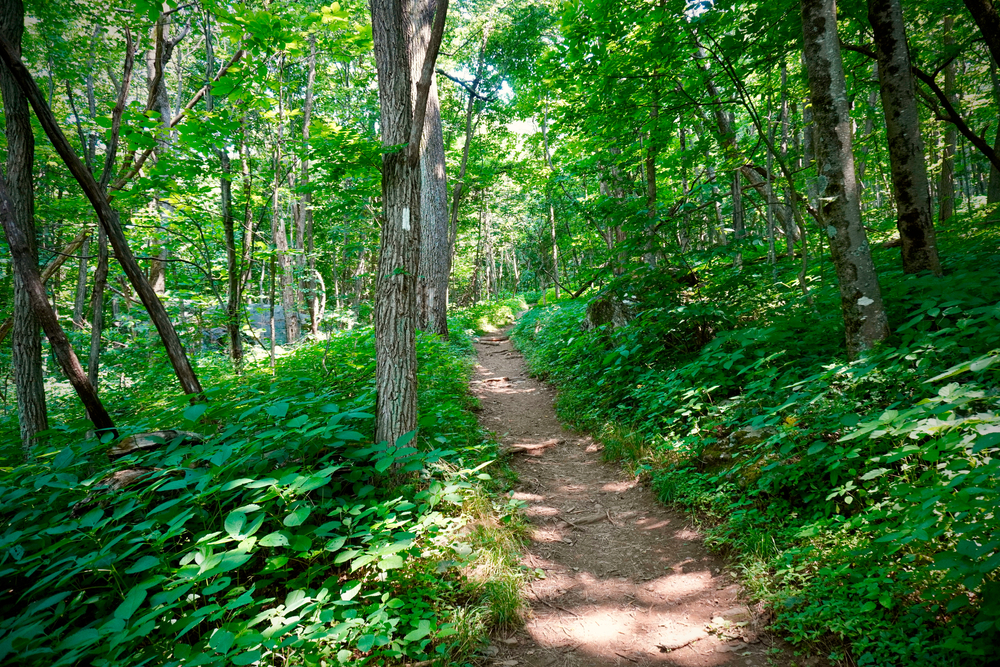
<point x="993" y="191"/>
<point x="80" y="302"/>
<point x="985" y="13"/>
<point x="234" y="300"/>
<point x="865" y="321"/>
<point x="552" y="210"/>
<point x="435" y="250"/>
<point x="27" y="268"/>
<point x="305" y="202"/>
<point x="108" y="218"/>
<point x="906" y="148"/>
<point x="402" y="122"/>
<point x="651" y="195"/>
<point x="739" y="228"/>
<point x="946" y="186"/>
<point x="97" y="309"/>
<point x="26" y="343"/>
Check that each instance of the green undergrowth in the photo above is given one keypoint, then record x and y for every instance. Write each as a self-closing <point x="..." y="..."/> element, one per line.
<point x="487" y="316"/>
<point x="287" y="536"/>
<point x="859" y="497"/>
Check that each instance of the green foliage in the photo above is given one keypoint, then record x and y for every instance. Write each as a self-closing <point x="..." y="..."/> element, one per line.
<point x="287" y="534"/>
<point x="861" y="495"/>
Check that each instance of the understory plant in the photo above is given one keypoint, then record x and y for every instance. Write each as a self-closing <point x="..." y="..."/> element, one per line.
<point x="265" y="527"/>
<point x="860" y="495"/>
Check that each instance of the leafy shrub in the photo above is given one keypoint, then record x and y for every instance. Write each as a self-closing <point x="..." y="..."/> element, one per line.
<point x="866" y="489"/>
<point x="287" y="534"/>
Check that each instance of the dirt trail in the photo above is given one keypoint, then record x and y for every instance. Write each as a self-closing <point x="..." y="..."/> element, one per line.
<point x="627" y="581"/>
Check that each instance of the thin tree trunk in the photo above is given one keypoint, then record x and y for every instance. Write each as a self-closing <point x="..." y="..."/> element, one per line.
<point x="26" y="343"/>
<point x="946" y="187"/>
<point x="865" y="321"/>
<point x="739" y="229"/>
<point x="234" y="300"/>
<point x="305" y="203"/>
<point x="906" y="148"/>
<point x="80" y="301"/>
<point x="552" y="210"/>
<point x="279" y="233"/>
<point x="97" y="309"/>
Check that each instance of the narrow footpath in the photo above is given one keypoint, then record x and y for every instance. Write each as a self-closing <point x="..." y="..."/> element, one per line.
<point x="620" y="578"/>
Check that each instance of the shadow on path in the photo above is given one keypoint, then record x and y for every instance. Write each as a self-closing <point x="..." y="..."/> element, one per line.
<point x="621" y="579"/>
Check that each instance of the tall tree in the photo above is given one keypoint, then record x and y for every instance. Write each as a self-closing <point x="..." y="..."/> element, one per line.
<point x="946" y="186"/>
<point x="906" y="147"/>
<point x="26" y="342"/>
<point x="402" y="122"/>
<point x="435" y="250"/>
<point x="865" y="322"/>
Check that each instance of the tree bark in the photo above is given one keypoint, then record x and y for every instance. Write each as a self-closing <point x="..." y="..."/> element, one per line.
<point x="108" y="218"/>
<point x="50" y="270"/>
<point x="395" y="301"/>
<point x="80" y="301"/>
<point x="946" y="186"/>
<point x="305" y="202"/>
<point x="27" y="269"/>
<point x="986" y="16"/>
<point x="26" y="343"/>
<point x="906" y="148"/>
<point x="435" y="251"/>
<point x="865" y="322"/>
<point x="993" y="189"/>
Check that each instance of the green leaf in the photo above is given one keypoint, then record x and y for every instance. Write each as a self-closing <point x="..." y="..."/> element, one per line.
<point x="349" y="590"/>
<point x="817" y="447"/>
<point x="230" y="561"/>
<point x="222" y="641"/>
<point x="132" y="602"/>
<point x="278" y="410"/>
<point x="391" y="562"/>
<point x="194" y="412"/>
<point x="365" y="643"/>
<point x="872" y="474"/>
<point x="234" y="523"/>
<point x="276" y="539"/>
<point x="297" y="517"/>
<point x="423" y="629"/>
<point x="248" y="658"/>
<point x="143" y="564"/>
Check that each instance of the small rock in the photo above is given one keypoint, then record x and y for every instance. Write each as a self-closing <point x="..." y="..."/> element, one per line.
<point x="491" y="650"/>
<point x="512" y="640"/>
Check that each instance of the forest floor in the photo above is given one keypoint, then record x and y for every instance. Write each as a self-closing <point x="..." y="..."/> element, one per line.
<point x="619" y="579"/>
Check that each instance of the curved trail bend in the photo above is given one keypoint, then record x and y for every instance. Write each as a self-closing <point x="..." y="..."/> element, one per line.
<point x="627" y="581"/>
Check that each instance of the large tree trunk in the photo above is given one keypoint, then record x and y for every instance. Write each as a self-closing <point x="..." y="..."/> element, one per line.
<point x="395" y="292"/>
<point x="906" y="148"/>
<point x="26" y="343"/>
<point x="865" y="321"/>
<point x="435" y="251"/>
<point x="988" y="19"/>
<point x="402" y="122"/>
